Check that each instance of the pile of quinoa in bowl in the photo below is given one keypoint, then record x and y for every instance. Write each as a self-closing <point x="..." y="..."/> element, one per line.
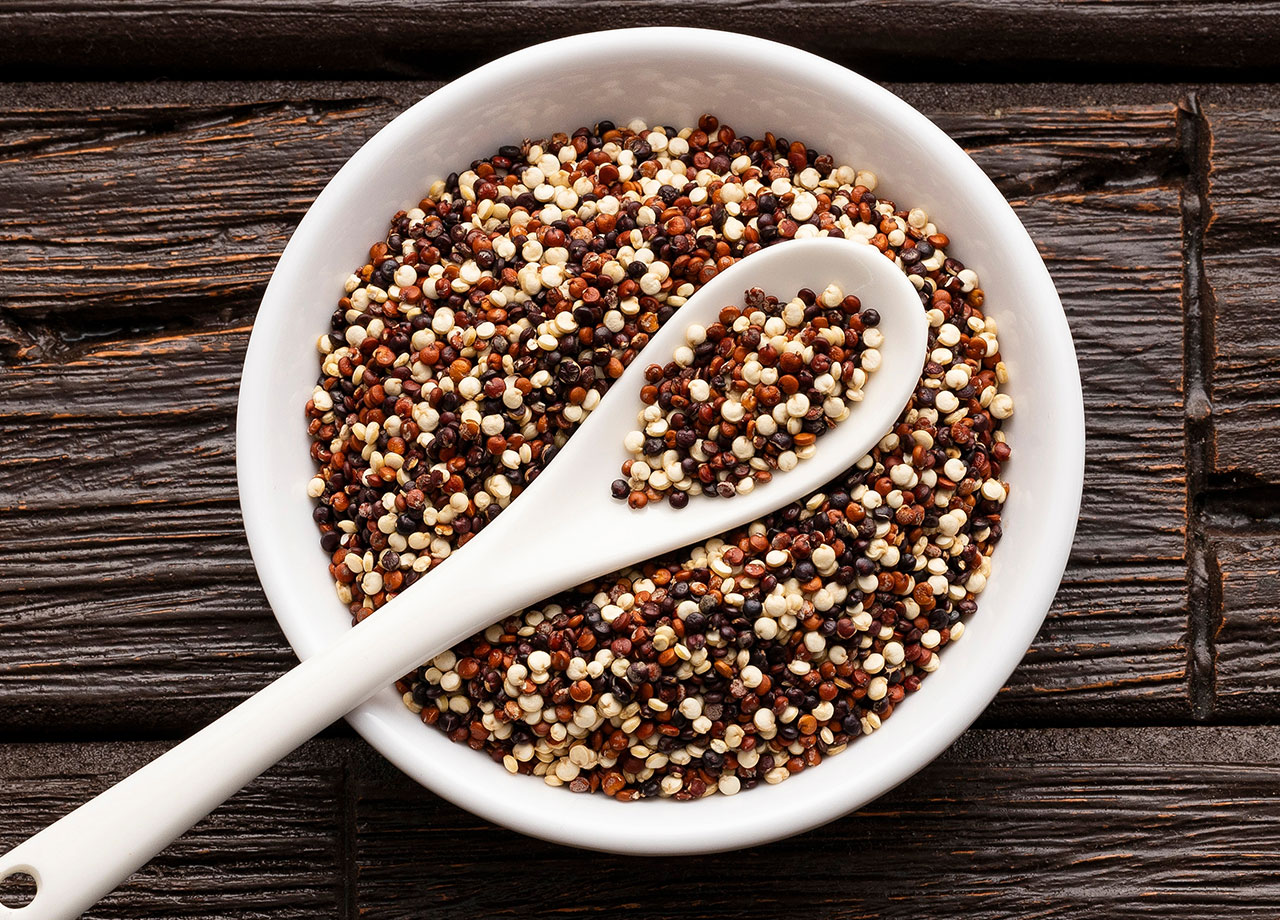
<point x="486" y="327"/>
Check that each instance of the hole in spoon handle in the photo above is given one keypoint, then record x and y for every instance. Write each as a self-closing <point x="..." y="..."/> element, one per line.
<point x="19" y="885"/>
<point x="50" y="877"/>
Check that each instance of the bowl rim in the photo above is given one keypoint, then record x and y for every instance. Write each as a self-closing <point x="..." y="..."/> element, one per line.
<point x="761" y="823"/>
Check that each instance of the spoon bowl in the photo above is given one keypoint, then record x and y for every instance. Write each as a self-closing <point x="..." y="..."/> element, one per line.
<point x="564" y="529"/>
<point x="570" y="498"/>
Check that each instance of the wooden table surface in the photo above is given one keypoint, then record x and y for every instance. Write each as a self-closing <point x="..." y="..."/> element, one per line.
<point x="1131" y="767"/>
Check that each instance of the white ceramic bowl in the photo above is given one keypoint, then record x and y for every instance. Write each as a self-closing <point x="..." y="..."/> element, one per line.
<point x="671" y="76"/>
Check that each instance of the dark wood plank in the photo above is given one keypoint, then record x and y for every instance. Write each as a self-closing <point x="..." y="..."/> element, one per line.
<point x="1115" y="259"/>
<point x="275" y="850"/>
<point x="149" y="601"/>
<point x="1240" y="267"/>
<point x="1246" y="352"/>
<point x="1244" y="177"/>
<point x="117" y="418"/>
<point x="160" y="214"/>
<point x="1247" y="651"/>
<point x="1005" y="39"/>
<point x="1075" y="145"/>
<point x="1111" y="651"/>
<point x="145" y="419"/>
<point x="1082" y="823"/>
<point x="1097" y="188"/>
<point x="1079" y="823"/>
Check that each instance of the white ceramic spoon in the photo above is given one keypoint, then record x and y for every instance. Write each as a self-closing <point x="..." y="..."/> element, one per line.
<point x="563" y="530"/>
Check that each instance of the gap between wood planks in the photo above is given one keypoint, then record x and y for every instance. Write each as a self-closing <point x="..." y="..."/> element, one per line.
<point x="997" y="40"/>
<point x="1203" y="614"/>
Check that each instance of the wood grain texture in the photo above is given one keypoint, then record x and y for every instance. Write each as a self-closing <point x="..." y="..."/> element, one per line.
<point x="1248" y="654"/>
<point x="1097" y="190"/>
<point x="117" y="418"/>
<point x="161" y="214"/>
<point x="1115" y="259"/>
<point x="275" y="850"/>
<point x="1080" y="823"/>
<point x="1006" y="39"/>
<point x="1112" y="650"/>
<point x="1088" y="823"/>
<point x="147" y="615"/>
<point x="1244" y="277"/>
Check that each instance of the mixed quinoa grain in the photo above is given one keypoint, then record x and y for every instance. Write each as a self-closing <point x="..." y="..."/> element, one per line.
<point x="486" y="327"/>
<point x="747" y="395"/>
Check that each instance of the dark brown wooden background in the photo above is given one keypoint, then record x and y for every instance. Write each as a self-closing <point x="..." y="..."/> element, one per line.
<point x="154" y="158"/>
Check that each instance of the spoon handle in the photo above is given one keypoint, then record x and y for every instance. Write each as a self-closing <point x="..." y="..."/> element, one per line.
<point x="83" y="856"/>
